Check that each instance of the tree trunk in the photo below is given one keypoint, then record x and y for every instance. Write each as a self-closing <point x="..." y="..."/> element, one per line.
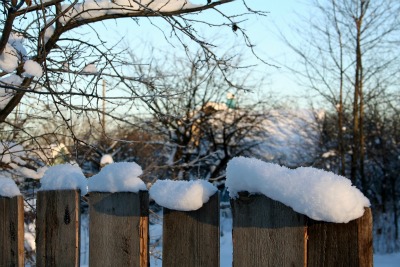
<point x="358" y="106"/>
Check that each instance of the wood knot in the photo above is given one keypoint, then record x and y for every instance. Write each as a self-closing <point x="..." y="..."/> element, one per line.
<point x="13" y="232"/>
<point x="67" y="216"/>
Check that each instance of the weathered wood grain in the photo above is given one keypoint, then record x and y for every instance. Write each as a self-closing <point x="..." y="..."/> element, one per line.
<point x="12" y="231"/>
<point x="118" y="229"/>
<point x="58" y="228"/>
<point x="191" y="238"/>
<point x="365" y="245"/>
<point x="341" y="244"/>
<point x="266" y="233"/>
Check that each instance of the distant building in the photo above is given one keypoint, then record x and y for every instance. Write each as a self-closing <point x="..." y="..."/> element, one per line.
<point x="231" y="101"/>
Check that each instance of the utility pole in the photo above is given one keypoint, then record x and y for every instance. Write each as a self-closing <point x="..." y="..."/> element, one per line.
<point x="104" y="106"/>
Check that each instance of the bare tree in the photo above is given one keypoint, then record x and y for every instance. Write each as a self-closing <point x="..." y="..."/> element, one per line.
<point x="43" y="56"/>
<point x="203" y="123"/>
<point x="51" y="73"/>
<point x="350" y="59"/>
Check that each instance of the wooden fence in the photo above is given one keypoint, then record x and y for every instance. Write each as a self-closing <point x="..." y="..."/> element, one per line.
<point x="265" y="233"/>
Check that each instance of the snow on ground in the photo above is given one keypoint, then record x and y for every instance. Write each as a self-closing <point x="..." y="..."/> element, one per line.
<point x="64" y="177"/>
<point x="8" y="188"/>
<point x="387" y="260"/>
<point x="320" y="195"/>
<point x="384" y="232"/>
<point x="290" y="136"/>
<point x="29" y="236"/>
<point x="84" y="250"/>
<point x="118" y="177"/>
<point x="225" y="240"/>
<point x="182" y="195"/>
<point x="287" y="137"/>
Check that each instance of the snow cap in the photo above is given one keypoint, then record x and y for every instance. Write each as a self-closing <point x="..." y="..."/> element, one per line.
<point x="321" y="195"/>
<point x="182" y="195"/>
<point x="118" y="177"/>
<point x="106" y="159"/>
<point x="8" y="188"/>
<point x="64" y="177"/>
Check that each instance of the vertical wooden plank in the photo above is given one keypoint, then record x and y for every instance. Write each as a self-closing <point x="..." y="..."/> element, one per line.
<point x="191" y="238"/>
<point x="266" y="233"/>
<point x="58" y="228"/>
<point x="144" y="229"/>
<point x="12" y="231"/>
<point x="365" y="245"/>
<point x="340" y="244"/>
<point x="118" y="229"/>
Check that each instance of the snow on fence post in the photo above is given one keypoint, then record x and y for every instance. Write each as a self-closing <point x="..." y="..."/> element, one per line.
<point x="341" y="244"/>
<point x="191" y="238"/>
<point x="341" y="237"/>
<point x="266" y="233"/>
<point x="58" y="228"/>
<point x="12" y="231"/>
<point x="119" y="229"/>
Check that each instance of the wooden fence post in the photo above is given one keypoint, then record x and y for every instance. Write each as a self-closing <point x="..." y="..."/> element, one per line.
<point x="12" y="231"/>
<point x="191" y="238"/>
<point x="119" y="229"/>
<point x="58" y="228"/>
<point x="266" y="233"/>
<point x="341" y="244"/>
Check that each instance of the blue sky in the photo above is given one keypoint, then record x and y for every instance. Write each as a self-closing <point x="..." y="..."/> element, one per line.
<point x="261" y="30"/>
